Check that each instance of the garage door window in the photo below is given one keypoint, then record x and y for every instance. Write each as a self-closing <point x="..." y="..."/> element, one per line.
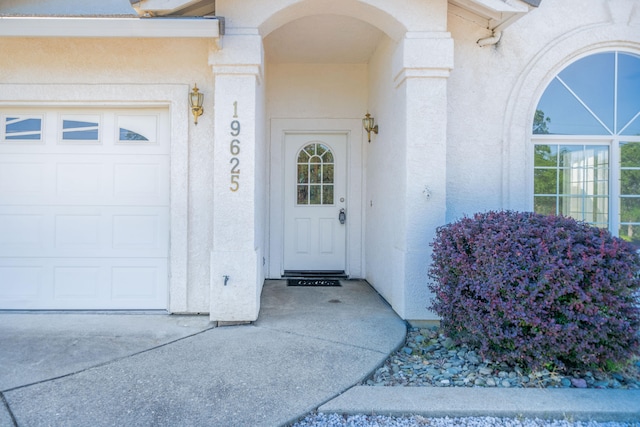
<point x="22" y="128"/>
<point x="137" y="128"/>
<point x="80" y="128"/>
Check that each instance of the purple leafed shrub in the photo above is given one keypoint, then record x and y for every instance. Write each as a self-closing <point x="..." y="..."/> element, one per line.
<point x="537" y="290"/>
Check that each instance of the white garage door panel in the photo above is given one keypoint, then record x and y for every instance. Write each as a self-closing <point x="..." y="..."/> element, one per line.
<point x="71" y="179"/>
<point x="85" y="224"/>
<point x="87" y="284"/>
<point x="94" y="231"/>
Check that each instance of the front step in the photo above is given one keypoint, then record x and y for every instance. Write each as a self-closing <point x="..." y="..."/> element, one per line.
<point x="321" y="274"/>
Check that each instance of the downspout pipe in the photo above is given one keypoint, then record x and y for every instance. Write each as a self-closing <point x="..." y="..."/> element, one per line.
<point x="495" y="38"/>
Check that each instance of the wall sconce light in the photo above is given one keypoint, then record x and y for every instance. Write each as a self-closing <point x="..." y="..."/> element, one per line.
<point x="195" y="102"/>
<point x="369" y="125"/>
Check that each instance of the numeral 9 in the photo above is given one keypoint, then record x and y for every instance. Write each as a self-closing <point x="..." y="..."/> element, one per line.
<point x="235" y="128"/>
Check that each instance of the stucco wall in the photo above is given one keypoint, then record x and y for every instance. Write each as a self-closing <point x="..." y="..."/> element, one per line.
<point x="143" y="65"/>
<point x="316" y="90"/>
<point x="493" y="92"/>
<point x="385" y="163"/>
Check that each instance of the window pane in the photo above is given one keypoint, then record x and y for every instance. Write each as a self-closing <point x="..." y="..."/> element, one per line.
<point x="545" y="181"/>
<point x="630" y="154"/>
<point x="314" y="173"/>
<point x="303" y="174"/>
<point x="327" y="176"/>
<point x="303" y="194"/>
<point x="572" y="181"/>
<point x="592" y="80"/>
<point x="315" y="195"/>
<point x="628" y="90"/>
<point x="565" y="113"/>
<point x="327" y="195"/>
<point x="630" y="233"/>
<point x="87" y="135"/>
<point x="571" y="155"/>
<point x="630" y="209"/>
<point x="546" y="155"/>
<point x="633" y="129"/>
<point x="23" y="128"/>
<point x="328" y="157"/>
<point x="596" y="210"/>
<point x="544" y="205"/>
<point x="137" y="128"/>
<point x="129" y="135"/>
<point x="311" y="149"/>
<point x="597" y="156"/>
<point x="77" y="129"/>
<point x="630" y="182"/>
<point x="320" y="149"/>
<point x="303" y="157"/>
<point x="573" y="207"/>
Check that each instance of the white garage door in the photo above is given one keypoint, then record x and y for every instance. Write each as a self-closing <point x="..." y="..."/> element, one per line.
<point x="84" y="208"/>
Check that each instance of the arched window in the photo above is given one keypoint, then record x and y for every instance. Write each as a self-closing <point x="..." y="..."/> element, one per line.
<point x="315" y="175"/>
<point x="586" y="135"/>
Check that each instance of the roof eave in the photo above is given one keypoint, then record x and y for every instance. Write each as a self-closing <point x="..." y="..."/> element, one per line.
<point x="496" y="15"/>
<point x="38" y="26"/>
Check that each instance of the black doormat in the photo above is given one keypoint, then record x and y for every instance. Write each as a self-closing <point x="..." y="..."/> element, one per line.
<point x="313" y="282"/>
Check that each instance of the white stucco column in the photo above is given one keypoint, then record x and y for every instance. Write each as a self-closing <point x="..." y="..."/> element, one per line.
<point x="422" y="64"/>
<point x="236" y="260"/>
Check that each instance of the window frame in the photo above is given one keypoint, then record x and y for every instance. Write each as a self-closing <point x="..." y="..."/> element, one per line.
<point x="612" y="141"/>
<point x="23" y="116"/>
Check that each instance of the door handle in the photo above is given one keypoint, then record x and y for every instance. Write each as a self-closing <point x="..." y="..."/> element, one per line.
<point x="342" y="216"/>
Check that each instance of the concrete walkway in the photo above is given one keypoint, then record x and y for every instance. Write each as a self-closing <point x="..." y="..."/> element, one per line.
<point x="307" y="350"/>
<point x="309" y="345"/>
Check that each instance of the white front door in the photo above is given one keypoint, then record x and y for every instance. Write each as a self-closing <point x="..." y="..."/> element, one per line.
<point x="314" y="196"/>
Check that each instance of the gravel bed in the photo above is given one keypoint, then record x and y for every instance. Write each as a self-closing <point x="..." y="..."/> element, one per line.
<point x="335" y="420"/>
<point x="431" y="359"/>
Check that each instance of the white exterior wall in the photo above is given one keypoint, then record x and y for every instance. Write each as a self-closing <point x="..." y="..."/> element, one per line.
<point x="119" y="72"/>
<point x="494" y="91"/>
<point x="316" y="90"/>
<point x="385" y="165"/>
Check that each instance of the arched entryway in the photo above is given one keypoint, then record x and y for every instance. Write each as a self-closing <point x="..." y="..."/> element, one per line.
<point x="312" y="70"/>
<point x="317" y="90"/>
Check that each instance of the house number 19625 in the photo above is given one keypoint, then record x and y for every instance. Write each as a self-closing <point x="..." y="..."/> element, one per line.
<point x="234" y="149"/>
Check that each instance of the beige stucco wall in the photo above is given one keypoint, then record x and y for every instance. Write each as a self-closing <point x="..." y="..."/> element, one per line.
<point x="493" y="92"/>
<point x="142" y="68"/>
<point x="316" y="90"/>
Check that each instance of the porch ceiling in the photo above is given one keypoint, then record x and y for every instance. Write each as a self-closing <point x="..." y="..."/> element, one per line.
<point x="323" y="39"/>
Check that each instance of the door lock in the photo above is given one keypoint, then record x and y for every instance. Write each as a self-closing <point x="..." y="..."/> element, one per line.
<point x="342" y="216"/>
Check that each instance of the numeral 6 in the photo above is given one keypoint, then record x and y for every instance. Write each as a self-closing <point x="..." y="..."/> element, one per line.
<point x="235" y="147"/>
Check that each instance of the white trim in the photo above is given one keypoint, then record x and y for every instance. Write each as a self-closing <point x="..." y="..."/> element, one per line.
<point x="355" y="188"/>
<point x="37" y="26"/>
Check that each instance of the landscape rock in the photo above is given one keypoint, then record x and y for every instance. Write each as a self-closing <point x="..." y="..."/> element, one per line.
<point x="429" y="358"/>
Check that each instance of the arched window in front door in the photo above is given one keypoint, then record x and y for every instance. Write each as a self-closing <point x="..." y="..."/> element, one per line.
<point x="315" y="175"/>
<point x="586" y="135"/>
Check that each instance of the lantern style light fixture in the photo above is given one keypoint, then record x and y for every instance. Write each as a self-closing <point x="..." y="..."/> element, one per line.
<point x="369" y="125"/>
<point x="195" y="101"/>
